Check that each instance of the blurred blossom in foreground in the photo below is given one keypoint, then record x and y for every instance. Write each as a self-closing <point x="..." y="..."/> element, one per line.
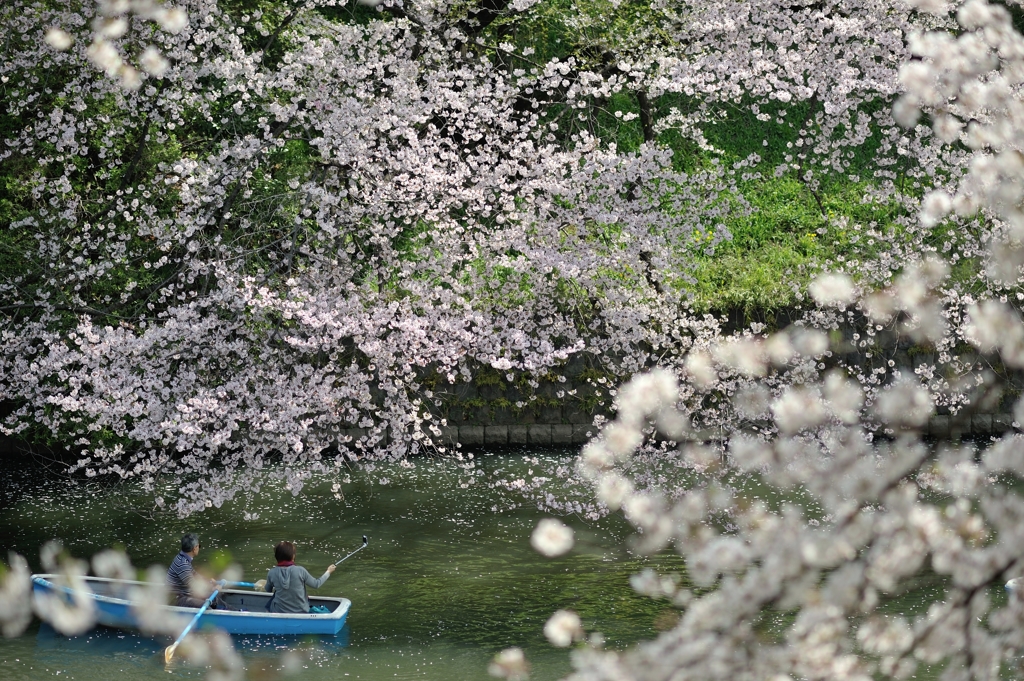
<point x="153" y="62"/>
<point x="146" y="600"/>
<point x="833" y="290"/>
<point x="215" y="651"/>
<point x="510" y="664"/>
<point x="58" y="39"/>
<point x="173" y="20"/>
<point x="106" y="52"/>
<point x="15" y="597"/>
<point x="551" y="538"/>
<point x="113" y="564"/>
<point x="882" y="507"/>
<point x="72" y="615"/>
<point x="563" y="628"/>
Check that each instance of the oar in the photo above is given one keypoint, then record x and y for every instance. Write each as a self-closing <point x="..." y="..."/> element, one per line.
<point x="365" y="542"/>
<point x="252" y="585"/>
<point x="169" y="651"/>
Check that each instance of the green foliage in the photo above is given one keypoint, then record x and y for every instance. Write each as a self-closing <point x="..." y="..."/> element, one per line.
<point x="778" y="245"/>
<point x="489" y="376"/>
<point x="795" y="226"/>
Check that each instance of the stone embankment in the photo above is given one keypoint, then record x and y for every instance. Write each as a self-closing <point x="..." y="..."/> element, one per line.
<point x="939" y="427"/>
<point x="560" y="410"/>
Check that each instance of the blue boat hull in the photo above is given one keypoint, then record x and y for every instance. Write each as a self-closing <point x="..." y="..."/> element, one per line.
<point x="114" y="609"/>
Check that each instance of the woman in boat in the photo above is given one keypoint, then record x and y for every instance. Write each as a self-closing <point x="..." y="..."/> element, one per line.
<point x="288" y="581"/>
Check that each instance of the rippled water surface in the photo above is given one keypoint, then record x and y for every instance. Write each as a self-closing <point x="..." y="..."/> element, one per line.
<point x="447" y="581"/>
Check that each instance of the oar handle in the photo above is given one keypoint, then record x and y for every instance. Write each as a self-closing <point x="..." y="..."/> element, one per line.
<point x="246" y="584"/>
<point x="365" y="543"/>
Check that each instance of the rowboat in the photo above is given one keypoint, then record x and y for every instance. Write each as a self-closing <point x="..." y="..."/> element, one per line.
<point x="115" y="607"/>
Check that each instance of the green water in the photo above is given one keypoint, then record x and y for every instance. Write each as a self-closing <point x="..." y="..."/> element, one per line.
<point x="448" y="580"/>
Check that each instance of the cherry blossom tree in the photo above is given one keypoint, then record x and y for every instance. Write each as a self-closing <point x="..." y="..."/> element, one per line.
<point x="798" y="590"/>
<point x="243" y="230"/>
<point x="240" y="236"/>
<point x="277" y="232"/>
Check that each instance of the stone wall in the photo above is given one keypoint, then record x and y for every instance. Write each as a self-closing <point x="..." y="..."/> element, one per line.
<point x="940" y="426"/>
<point x="492" y="411"/>
<point x="505" y="435"/>
<point x="485" y="412"/>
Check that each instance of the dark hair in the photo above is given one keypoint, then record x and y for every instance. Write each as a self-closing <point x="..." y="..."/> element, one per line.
<point x="284" y="551"/>
<point x="189" y="542"/>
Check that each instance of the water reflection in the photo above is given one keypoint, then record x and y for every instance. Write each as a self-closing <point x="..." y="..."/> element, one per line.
<point x="99" y="642"/>
<point x="258" y="644"/>
<point x="93" y="655"/>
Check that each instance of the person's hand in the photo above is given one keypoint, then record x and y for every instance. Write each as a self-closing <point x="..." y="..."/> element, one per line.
<point x="330" y="568"/>
<point x="259" y="586"/>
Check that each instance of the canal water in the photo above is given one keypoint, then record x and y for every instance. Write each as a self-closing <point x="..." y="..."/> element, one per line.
<point x="447" y="581"/>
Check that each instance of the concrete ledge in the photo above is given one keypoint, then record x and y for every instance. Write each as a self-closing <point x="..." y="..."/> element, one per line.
<point x="561" y="434"/>
<point x="538" y="434"/>
<point x="471" y="435"/>
<point x="449" y="435"/>
<point x="959" y="426"/>
<point x="519" y="435"/>
<point x="495" y="435"/>
<point x="1002" y="423"/>
<point x="576" y="434"/>
<point x="582" y="432"/>
<point x="938" y="426"/>
<point x="941" y="426"/>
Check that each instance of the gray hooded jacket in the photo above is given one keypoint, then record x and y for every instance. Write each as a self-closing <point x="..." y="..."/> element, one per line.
<point x="288" y="585"/>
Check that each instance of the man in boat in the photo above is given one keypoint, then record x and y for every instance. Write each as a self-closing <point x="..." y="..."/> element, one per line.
<point x="288" y="581"/>
<point x="181" y="573"/>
